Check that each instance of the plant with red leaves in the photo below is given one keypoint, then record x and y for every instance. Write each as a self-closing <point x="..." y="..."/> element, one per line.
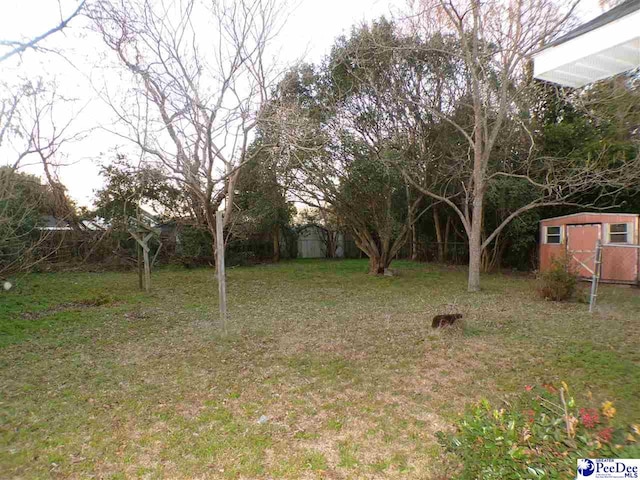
<point x="589" y="417"/>
<point x="541" y="433"/>
<point x="606" y="434"/>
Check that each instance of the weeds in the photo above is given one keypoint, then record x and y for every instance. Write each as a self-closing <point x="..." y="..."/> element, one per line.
<point x="346" y="367"/>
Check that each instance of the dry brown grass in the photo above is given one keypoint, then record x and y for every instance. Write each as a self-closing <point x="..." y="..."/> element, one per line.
<point x="346" y="367"/>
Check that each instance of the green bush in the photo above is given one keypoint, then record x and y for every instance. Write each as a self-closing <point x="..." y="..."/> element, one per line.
<point x="559" y="283"/>
<point x="195" y="242"/>
<point x="541" y="435"/>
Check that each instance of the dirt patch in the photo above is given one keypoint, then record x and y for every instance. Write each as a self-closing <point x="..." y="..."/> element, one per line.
<point x="68" y="306"/>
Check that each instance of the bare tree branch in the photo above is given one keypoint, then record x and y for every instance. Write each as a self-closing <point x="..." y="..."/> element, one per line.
<point x="17" y="47"/>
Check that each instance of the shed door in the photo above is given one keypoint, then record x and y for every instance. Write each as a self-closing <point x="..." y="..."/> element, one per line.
<point x="581" y="247"/>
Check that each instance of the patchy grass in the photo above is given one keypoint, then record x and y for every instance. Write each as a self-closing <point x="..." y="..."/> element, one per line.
<point x="98" y="379"/>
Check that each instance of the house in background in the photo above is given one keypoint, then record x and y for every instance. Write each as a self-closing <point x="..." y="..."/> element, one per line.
<point x="576" y="236"/>
<point x="53" y="224"/>
<point x="606" y="46"/>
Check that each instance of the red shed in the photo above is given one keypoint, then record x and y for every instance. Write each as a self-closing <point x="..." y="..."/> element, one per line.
<point x="576" y="236"/>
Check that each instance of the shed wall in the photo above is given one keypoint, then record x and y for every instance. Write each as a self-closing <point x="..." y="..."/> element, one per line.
<point x="311" y="244"/>
<point x="619" y="263"/>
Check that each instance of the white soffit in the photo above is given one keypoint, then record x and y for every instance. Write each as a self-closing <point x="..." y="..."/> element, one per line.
<point x="598" y="53"/>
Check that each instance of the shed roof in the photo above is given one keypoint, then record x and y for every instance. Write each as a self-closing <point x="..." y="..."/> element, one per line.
<point x="597" y="214"/>
<point x="49" y="222"/>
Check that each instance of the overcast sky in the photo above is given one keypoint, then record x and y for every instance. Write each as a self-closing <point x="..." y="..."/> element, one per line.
<point x="309" y="33"/>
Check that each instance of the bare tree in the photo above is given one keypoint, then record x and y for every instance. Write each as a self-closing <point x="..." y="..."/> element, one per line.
<point x="45" y="133"/>
<point x="30" y="137"/>
<point x="495" y="41"/>
<point x="16" y="47"/>
<point x="203" y="74"/>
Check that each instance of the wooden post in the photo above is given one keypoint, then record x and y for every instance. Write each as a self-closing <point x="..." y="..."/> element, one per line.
<point x="142" y="233"/>
<point x="222" y="287"/>
<point x="596" y="276"/>
<point x="147" y="266"/>
<point x="139" y="254"/>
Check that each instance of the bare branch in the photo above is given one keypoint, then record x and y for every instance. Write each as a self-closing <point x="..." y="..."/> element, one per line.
<point x="17" y="47"/>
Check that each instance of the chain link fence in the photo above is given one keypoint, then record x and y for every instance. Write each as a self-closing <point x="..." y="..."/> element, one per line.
<point x="620" y="263"/>
<point x="192" y="247"/>
<point x="452" y="253"/>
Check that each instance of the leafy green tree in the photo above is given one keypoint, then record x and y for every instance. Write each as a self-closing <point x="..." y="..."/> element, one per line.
<point x="127" y="187"/>
<point x="484" y="105"/>
<point x="130" y="191"/>
<point x="343" y="128"/>
<point x="599" y="125"/>
<point x="23" y="203"/>
<point x="261" y="201"/>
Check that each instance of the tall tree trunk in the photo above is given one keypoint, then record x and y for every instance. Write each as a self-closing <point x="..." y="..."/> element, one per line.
<point x="367" y="245"/>
<point x="414" y="242"/>
<point x="380" y="252"/>
<point x="413" y="247"/>
<point x="331" y="244"/>
<point x="475" y="242"/>
<point x="276" y="242"/>
<point x="492" y="255"/>
<point x="445" y="247"/>
<point x="439" y="240"/>
<point x="484" y="255"/>
<point x="485" y="261"/>
<point x="378" y="264"/>
<point x="480" y="154"/>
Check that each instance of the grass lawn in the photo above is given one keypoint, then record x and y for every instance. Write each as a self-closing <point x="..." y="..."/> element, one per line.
<point x="100" y="380"/>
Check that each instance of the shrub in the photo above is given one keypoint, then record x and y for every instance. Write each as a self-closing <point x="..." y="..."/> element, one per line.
<point x="195" y="242"/>
<point x="541" y="435"/>
<point x="236" y="258"/>
<point x="559" y="283"/>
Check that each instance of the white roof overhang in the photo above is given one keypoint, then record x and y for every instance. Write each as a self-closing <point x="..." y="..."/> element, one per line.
<point x="598" y="53"/>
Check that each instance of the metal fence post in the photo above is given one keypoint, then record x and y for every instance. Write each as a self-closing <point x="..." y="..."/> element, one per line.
<point x="595" y="279"/>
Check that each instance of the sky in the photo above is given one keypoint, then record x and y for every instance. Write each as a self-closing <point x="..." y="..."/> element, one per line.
<point x="87" y="68"/>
